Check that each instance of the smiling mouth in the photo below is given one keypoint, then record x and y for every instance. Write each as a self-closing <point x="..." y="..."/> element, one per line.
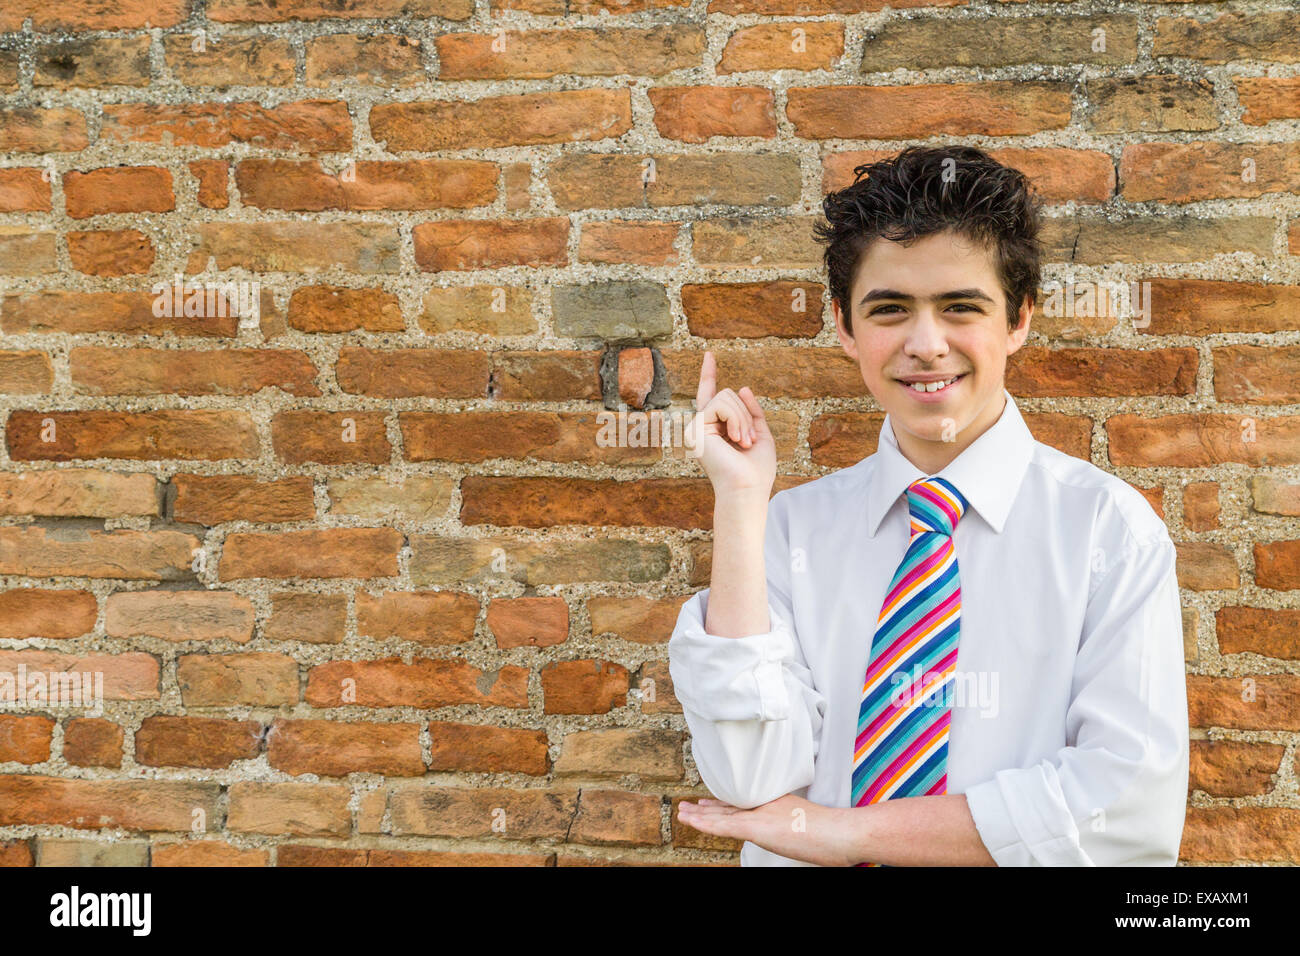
<point x="930" y="388"/>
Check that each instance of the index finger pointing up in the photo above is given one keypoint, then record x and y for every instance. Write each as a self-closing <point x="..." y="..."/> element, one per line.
<point x="708" y="381"/>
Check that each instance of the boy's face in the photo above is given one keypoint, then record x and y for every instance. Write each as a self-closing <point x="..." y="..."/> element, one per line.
<point x="933" y="309"/>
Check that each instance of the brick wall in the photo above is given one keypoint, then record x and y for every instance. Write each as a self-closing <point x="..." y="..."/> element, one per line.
<point x="360" y="581"/>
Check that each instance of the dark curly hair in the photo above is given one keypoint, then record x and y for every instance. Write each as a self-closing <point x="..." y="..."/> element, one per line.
<point x="925" y="190"/>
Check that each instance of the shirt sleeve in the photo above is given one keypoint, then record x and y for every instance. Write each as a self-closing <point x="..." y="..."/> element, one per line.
<point x="754" y="715"/>
<point x="1117" y="794"/>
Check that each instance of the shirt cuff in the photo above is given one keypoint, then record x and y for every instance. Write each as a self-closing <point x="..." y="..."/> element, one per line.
<point x="730" y="678"/>
<point x="1008" y="811"/>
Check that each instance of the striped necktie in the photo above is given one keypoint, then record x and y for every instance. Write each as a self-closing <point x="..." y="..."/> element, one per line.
<point x="901" y="747"/>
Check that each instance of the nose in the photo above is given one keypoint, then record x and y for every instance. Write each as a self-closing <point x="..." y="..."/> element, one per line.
<point x="925" y="340"/>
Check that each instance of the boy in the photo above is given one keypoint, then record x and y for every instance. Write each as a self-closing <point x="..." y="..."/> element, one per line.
<point x="965" y="649"/>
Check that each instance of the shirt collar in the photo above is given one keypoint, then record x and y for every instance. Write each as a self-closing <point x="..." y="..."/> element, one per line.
<point x="987" y="473"/>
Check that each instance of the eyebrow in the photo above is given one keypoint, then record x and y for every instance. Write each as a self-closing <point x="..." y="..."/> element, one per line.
<point x="876" y="294"/>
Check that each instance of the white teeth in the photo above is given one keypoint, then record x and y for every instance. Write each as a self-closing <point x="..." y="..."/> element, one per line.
<point x="932" y="386"/>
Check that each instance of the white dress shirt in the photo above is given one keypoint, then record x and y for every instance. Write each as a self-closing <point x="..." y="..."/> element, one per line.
<point x="1069" y="730"/>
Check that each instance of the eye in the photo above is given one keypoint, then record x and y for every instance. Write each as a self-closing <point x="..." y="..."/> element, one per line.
<point x="881" y="309"/>
<point x="964" y="305"/>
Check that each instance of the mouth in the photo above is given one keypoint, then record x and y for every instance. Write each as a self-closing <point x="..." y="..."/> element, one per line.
<point x="926" y="389"/>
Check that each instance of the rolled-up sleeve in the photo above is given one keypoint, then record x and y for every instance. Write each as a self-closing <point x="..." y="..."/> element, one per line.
<point x="1117" y="794"/>
<point x="754" y="715"/>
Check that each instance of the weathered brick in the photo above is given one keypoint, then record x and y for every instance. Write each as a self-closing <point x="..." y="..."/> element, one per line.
<point x="1160" y="102"/>
<point x="323" y="553"/>
<point x="214" y="499"/>
<point x="233" y="371"/>
<point x="996" y="108"/>
<point x="463" y="812"/>
<point x="73" y="492"/>
<point x="179" y="615"/>
<point x="313" y="126"/>
<point x="639" y="620"/>
<point x="651" y="754"/>
<point x="695" y="114"/>
<point x="449" y="560"/>
<point x="93" y="14"/>
<point x="797" y="45"/>
<point x="611" y="180"/>
<point x="538" y="502"/>
<point x="24" y="189"/>
<point x="135" y="805"/>
<point x="296" y="809"/>
<point x="1036" y="372"/>
<point x="91" y="742"/>
<point x="111" y="252"/>
<point x="1274" y="496"/>
<point x="1250" y="702"/>
<point x="381" y="60"/>
<point x="1202" y="440"/>
<point x="102" y="61"/>
<point x="46" y="613"/>
<point x="583" y="687"/>
<point x="1201" y="505"/>
<point x="296" y="246"/>
<point x="1277" y="564"/>
<point x="1206" y="307"/>
<point x="1093" y="240"/>
<point x="930" y="43"/>
<point x="528" y="119"/>
<point x="231" y="680"/>
<point x="55" y="130"/>
<point x="311" y="618"/>
<point x="426" y="683"/>
<point x="538" y="54"/>
<point x="206" y="853"/>
<point x="335" y="749"/>
<point x="279" y="11"/>
<point x="1188" y="172"/>
<point x="1240" y="834"/>
<point x="478" y="749"/>
<point x="230" y="61"/>
<point x="528" y="621"/>
<point x="458" y="244"/>
<point x="149" y="555"/>
<point x="616" y="818"/>
<point x="1229" y="37"/>
<point x="165" y="740"/>
<point x="25" y="739"/>
<point x="413" y="184"/>
<point x="1258" y="630"/>
<point x="198" y="434"/>
<point x="432" y="373"/>
<point x="118" y="189"/>
<point x="27" y="252"/>
<point x="1265" y="99"/>
<point x="435" y="618"/>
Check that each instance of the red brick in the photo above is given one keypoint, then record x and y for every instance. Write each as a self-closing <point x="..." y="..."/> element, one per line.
<point x="24" y="189"/>
<point x="111" y="252"/>
<point x="118" y="189"/>
<point x="178" y="741"/>
<point x="335" y="749"/>
<point x="309" y="125"/>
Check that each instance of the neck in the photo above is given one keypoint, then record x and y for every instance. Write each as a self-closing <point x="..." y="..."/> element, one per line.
<point x="933" y="456"/>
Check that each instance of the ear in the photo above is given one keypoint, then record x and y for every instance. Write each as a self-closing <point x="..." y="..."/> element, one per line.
<point x="846" y="340"/>
<point x="1017" y="336"/>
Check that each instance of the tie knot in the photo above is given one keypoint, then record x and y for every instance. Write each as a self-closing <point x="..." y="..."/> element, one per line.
<point x="935" y="505"/>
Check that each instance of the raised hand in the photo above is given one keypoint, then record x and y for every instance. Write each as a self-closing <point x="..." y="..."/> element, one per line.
<point x="730" y="436"/>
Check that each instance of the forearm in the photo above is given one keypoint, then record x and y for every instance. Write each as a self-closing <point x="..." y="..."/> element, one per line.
<point x="738" y="589"/>
<point x="916" y="831"/>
